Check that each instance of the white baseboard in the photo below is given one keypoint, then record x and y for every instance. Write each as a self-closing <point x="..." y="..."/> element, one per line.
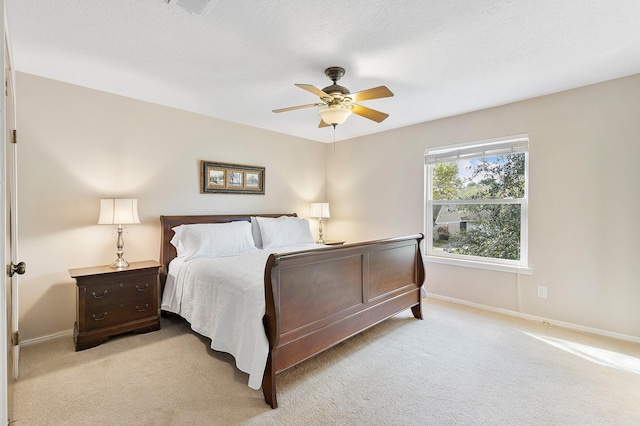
<point x="42" y="339"/>
<point x="534" y="318"/>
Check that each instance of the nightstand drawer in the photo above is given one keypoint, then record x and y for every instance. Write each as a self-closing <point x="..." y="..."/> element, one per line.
<point x="118" y="291"/>
<point x="105" y="316"/>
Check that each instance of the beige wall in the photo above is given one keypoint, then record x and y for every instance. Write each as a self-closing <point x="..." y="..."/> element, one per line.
<point x="584" y="237"/>
<point x="79" y="145"/>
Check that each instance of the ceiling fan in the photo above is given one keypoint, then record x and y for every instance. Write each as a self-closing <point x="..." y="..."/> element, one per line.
<point x="338" y="102"/>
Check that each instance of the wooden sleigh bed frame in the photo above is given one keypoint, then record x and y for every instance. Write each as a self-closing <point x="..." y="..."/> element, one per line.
<point x="316" y="299"/>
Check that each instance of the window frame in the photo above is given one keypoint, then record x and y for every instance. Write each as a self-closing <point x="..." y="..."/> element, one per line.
<point x="478" y="149"/>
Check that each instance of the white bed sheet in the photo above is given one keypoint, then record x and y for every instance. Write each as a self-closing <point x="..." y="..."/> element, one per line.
<point x="223" y="299"/>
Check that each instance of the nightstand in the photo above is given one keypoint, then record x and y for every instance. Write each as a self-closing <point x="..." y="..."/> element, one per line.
<point x="114" y="301"/>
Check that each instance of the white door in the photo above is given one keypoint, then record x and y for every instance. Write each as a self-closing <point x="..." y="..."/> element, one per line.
<point x="9" y="348"/>
<point x="15" y="267"/>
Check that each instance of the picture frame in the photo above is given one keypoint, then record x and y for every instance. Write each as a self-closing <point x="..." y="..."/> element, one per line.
<point x="225" y="178"/>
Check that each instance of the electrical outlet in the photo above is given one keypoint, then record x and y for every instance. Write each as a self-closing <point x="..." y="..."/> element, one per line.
<point x="542" y="291"/>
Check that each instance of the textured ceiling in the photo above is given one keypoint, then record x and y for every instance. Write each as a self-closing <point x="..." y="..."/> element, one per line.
<point x="241" y="60"/>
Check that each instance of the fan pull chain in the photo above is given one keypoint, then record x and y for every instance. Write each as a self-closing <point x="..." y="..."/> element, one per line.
<point x="334" y="139"/>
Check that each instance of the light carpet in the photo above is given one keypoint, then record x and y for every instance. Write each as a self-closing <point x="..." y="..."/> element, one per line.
<point x="459" y="366"/>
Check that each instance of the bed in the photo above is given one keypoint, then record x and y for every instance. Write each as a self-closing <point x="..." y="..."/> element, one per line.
<point x="309" y="297"/>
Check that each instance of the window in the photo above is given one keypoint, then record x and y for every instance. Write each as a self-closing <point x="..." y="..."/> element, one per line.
<point x="476" y="203"/>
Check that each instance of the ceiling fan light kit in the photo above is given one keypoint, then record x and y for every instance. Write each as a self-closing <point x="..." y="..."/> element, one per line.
<point x="338" y="102"/>
<point x="334" y="114"/>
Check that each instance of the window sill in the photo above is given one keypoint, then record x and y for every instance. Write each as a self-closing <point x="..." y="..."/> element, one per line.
<point x="513" y="269"/>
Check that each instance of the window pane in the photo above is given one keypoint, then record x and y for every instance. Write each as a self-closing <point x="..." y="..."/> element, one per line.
<point x="480" y="178"/>
<point x="489" y="230"/>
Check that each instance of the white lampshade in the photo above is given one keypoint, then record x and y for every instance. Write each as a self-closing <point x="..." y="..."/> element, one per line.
<point x="118" y="211"/>
<point x="334" y="114"/>
<point x="320" y="210"/>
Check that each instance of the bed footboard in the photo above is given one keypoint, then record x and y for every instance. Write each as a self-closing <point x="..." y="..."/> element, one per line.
<point x="316" y="299"/>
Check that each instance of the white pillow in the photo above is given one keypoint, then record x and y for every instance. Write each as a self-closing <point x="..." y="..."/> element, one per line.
<point x="284" y="231"/>
<point x="255" y="231"/>
<point x="175" y="241"/>
<point x="213" y="239"/>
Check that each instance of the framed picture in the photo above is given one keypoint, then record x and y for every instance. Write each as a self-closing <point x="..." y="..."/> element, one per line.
<point x="231" y="178"/>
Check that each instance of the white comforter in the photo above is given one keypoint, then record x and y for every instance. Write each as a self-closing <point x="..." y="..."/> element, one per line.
<point x="223" y="299"/>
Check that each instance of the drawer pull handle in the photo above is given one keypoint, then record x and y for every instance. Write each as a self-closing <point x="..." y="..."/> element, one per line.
<point x="146" y="286"/>
<point x="101" y="318"/>
<point x="95" y="296"/>
<point x="143" y="309"/>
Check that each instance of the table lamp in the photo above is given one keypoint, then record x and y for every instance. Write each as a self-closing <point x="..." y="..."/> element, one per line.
<point x="119" y="211"/>
<point x="320" y="211"/>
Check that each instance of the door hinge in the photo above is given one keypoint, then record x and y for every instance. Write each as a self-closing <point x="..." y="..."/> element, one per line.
<point x="14" y="136"/>
<point x="15" y="338"/>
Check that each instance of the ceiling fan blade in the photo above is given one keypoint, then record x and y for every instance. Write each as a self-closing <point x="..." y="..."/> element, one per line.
<point x="369" y="113"/>
<point x="323" y="124"/>
<point x="313" y="89"/>
<point x="373" y="93"/>
<point x="296" y="107"/>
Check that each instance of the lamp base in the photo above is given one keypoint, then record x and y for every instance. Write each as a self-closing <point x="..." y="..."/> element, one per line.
<point x="120" y="264"/>
<point x="320" y="240"/>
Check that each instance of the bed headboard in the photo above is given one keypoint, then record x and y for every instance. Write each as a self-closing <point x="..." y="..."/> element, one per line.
<point x="168" y="251"/>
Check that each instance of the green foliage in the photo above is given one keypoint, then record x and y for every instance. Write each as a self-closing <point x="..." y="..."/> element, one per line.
<point x="501" y="179"/>
<point x="496" y="234"/>
<point x="446" y="183"/>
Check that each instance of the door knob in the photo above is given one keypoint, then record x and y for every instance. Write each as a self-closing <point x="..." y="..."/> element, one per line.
<point x="19" y="269"/>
